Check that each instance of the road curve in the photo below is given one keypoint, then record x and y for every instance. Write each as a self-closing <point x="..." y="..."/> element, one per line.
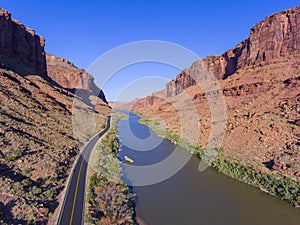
<point x="72" y="211"/>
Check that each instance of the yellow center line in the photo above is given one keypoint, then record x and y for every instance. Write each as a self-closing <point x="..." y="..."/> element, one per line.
<point x="76" y="190"/>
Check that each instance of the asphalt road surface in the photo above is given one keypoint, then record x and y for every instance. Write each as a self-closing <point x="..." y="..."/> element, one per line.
<point x="72" y="211"/>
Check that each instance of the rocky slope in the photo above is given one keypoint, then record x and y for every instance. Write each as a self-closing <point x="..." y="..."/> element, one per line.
<point x="260" y="80"/>
<point x="37" y="141"/>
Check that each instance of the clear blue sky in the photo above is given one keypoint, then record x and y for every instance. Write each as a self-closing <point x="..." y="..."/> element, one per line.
<point x="81" y="31"/>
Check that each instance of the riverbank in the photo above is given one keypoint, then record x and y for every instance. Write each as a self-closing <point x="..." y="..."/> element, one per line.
<point x="109" y="200"/>
<point x="253" y="173"/>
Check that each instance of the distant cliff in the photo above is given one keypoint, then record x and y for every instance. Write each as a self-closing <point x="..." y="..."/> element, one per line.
<point x="22" y="51"/>
<point x="19" y="44"/>
<point x="274" y="38"/>
<point x="260" y="80"/>
<point x="69" y="76"/>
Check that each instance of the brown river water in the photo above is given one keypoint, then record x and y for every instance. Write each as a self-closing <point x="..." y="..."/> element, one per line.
<point x="191" y="197"/>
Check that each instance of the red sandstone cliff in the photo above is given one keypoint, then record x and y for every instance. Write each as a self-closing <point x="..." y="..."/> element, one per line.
<point x="275" y="38"/>
<point x="260" y="81"/>
<point x="22" y="51"/>
<point x="20" y="45"/>
<point x="69" y="76"/>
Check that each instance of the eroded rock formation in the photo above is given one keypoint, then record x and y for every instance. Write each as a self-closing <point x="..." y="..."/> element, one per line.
<point x="69" y="76"/>
<point x="20" y="46"/>
<point x="275" y="38"/>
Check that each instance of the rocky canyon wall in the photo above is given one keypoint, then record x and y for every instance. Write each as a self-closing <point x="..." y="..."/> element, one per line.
<point x="19" y="44"/>
<point x="277" y="37"/>
<point x="22" y="51"/>
<point x="69" y="76"/>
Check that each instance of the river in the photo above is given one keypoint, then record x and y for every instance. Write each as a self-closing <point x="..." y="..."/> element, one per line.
<point x="191" y="197"/>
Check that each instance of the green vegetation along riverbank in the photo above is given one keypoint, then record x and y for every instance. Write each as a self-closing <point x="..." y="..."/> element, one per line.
<point x="109" y="200"/>
<point x="250" y="172"/>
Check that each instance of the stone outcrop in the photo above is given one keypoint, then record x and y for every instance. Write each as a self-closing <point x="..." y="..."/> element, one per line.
<point x="22" y="51"/>
<point x="20" y="45"/>
<point x="69" y="76"/>
<point x="275" y="38"/>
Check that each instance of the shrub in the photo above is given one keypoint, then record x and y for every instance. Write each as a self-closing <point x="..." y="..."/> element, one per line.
<point x="36" y="190"/>
<point x="50" y="193"/>
<point x="26" y="182"/>
<point x="30" y="218"/>
<point x="52" y="179"/>
<point x="10" y="158"/>
<point x="94" y="181"/>
<point x="27" y="171"/>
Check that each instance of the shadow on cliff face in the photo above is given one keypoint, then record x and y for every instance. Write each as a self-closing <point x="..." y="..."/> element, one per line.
<point x="16" y="66"/>
<point x="86" y="95"/>
<point x="21" y="69"/>
<point x="83" y="94"/>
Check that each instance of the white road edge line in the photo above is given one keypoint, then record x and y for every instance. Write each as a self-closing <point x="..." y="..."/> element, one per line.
<point x="62" y="206"/>
<point x="86" y="176"/>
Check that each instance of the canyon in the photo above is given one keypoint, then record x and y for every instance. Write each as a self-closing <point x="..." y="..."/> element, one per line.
<point x="259" y="80"/>
<point x="38" y="145"/>
<point x="51" y="108"/>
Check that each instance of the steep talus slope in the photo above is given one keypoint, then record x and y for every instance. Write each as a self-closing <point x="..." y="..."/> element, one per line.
<point x="260" y="80"/>
<point x="37" y="141"/>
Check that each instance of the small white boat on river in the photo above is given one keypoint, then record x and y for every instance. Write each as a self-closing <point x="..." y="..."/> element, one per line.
<point x="127" y="159"/>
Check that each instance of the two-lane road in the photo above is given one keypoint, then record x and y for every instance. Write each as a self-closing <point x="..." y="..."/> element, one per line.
<point x="72" y="211"/>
